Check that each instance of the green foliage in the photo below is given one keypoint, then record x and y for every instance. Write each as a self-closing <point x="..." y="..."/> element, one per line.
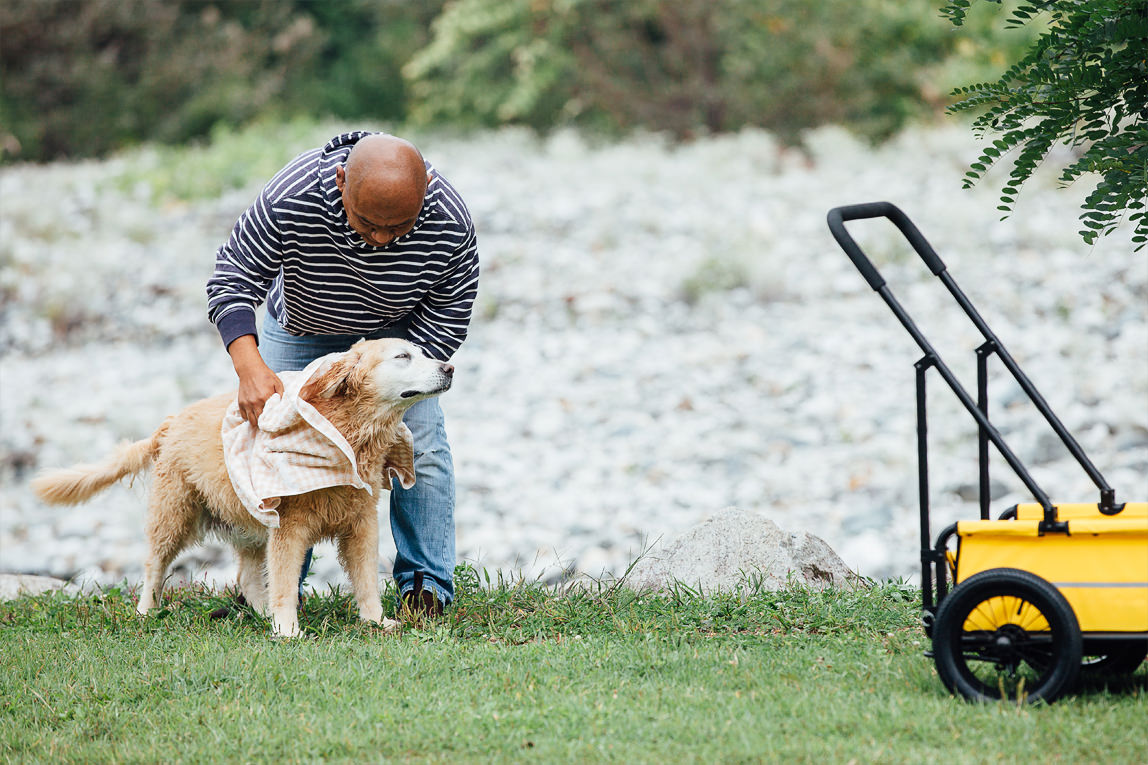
<point x="85" y="78"/>
<point x="681" y="65"/>
<point x="358" y="70"/>
<point x="794" y="64"/>
<point x="491" y="63"/>
<point x="1083" y="83"/>
<point x="229" y="159"/>
<point x="81" y="79"/>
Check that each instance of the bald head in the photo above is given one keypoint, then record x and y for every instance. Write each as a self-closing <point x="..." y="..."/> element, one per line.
<point x="383" y="185"/>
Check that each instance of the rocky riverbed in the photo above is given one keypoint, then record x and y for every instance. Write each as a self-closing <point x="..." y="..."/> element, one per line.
<point x="663" y="331"/>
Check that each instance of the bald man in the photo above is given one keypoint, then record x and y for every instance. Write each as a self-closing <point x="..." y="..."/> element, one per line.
<point x="360" y="238"/>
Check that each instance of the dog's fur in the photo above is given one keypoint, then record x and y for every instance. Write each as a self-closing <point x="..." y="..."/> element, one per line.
<point x="363" y="393"/>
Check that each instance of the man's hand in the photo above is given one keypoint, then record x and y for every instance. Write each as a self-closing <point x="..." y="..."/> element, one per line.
<point x="257" y="382"/>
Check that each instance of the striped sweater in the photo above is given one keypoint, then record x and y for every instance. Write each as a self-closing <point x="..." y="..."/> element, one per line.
<point x="294" y="248"/>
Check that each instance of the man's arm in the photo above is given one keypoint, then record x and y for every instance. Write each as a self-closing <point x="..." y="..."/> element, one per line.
<point x="257" y="382"/>
<point x="440" y="322"/>
<point x="244" y="269"/>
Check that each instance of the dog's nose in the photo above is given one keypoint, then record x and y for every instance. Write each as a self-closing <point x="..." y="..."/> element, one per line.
<point x="448" y="369"/>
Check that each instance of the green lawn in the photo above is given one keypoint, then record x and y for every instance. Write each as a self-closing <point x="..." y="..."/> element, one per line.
<point x="519" y="672"/>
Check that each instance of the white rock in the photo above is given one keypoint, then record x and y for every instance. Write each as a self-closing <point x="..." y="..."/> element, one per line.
<point x="13" y="586"/>
<point x="734" y="546"/>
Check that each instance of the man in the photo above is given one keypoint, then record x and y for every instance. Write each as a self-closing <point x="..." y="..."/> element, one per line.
<point x="361" y="238"/>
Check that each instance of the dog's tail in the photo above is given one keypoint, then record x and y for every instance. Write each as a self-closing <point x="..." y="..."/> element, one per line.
<point x="71" y="486"/>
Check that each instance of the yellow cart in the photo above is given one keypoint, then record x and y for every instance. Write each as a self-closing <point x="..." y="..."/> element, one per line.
<point x="1044" y="591"/>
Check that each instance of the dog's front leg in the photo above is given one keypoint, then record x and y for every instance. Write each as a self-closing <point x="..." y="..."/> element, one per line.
<point x="286" y="547"/>
<point x="359" y="554"/>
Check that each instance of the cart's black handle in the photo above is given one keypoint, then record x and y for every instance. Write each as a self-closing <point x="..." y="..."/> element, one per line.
<point x="837" y="217"/>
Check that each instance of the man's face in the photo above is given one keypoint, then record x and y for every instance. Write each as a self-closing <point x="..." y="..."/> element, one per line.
<point x="378" y="217"/>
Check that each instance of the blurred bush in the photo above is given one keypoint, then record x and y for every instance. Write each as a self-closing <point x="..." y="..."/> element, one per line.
<point x="85" y="77"/>
<point x="230" y="159"/>
<point x="688" y="65"/>
<point x="358" y="71"/>
<point x="82" y="78"/>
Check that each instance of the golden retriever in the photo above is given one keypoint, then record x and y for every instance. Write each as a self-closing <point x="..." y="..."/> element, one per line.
<point x="363" y="393"/>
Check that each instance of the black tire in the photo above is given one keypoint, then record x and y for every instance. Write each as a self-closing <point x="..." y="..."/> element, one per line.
<point x="1022" y="638"/>
<point x="1116" y="658"/>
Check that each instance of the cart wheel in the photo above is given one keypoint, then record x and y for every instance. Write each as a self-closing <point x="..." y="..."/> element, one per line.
<point x="1006" y="633"/>
<point x="1119" y="658"/>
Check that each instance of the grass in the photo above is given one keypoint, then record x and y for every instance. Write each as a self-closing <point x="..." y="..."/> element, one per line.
<point x="230" y="159"/>
<point x="516" y="671"/>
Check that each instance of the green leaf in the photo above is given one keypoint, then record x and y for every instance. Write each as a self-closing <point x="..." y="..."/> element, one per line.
<point x="1077" y="85"/>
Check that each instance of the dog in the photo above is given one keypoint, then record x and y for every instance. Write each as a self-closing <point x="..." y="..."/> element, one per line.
<point x="363" y="393"/>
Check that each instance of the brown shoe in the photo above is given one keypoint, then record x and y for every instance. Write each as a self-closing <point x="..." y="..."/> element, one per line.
<point x="419" y="603"/>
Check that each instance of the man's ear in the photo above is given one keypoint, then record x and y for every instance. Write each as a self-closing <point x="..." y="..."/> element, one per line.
<point x="340" y="178"/>
<point x="399" y="461"/>
<point x="334" y="377"/>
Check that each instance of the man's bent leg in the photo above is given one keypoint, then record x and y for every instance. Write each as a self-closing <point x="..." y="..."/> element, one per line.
<point x="422" y="517"/>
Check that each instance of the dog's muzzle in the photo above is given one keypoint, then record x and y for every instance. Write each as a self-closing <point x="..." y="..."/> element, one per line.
<point x="443" y="383"/>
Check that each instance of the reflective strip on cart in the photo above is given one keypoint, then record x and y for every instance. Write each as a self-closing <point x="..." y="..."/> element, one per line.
<point x="1101" y="584"/>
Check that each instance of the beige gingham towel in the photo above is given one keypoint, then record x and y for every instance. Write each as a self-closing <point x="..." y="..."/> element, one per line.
<point x="295" y="450"/>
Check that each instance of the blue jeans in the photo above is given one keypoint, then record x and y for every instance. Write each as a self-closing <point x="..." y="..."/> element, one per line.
<point x="422" y="517"/>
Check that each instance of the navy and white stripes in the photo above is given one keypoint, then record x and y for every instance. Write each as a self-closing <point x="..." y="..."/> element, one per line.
<point x="294" y="249"/>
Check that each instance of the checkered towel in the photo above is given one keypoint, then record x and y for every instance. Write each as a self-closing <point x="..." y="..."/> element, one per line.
<point x="294" y="450"/>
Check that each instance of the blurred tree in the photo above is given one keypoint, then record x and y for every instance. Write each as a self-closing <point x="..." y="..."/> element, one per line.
<point x="490" y="63"/>
<point x="652" y="63"/>
<point x="83" y="78"/>
<point x="1083" y="83"/>
<point x="866" y="64"/>
<point x="681" y="65"/>
<point x="358" y="70"/>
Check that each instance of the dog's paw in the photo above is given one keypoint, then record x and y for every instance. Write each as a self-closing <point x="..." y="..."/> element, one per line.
<point x="283" y="629"/>
<point x="384" y="625"/>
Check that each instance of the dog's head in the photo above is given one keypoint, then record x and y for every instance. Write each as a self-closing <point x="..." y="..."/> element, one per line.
<point x="365" y="391"/>
<point x="391" y="373"/>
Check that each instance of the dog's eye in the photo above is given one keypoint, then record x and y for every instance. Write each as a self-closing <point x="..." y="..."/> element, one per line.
<point x="404" y="356"/>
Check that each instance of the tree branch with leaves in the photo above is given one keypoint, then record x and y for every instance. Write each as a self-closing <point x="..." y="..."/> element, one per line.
<point x="1083" y="83"/>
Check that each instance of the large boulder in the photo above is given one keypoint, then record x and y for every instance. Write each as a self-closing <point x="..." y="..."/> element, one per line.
<point x="733" y="547"/>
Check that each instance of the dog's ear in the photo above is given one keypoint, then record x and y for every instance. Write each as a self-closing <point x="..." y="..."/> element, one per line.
<point x="336" y="376"/>
<point x="399" y="461"/>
